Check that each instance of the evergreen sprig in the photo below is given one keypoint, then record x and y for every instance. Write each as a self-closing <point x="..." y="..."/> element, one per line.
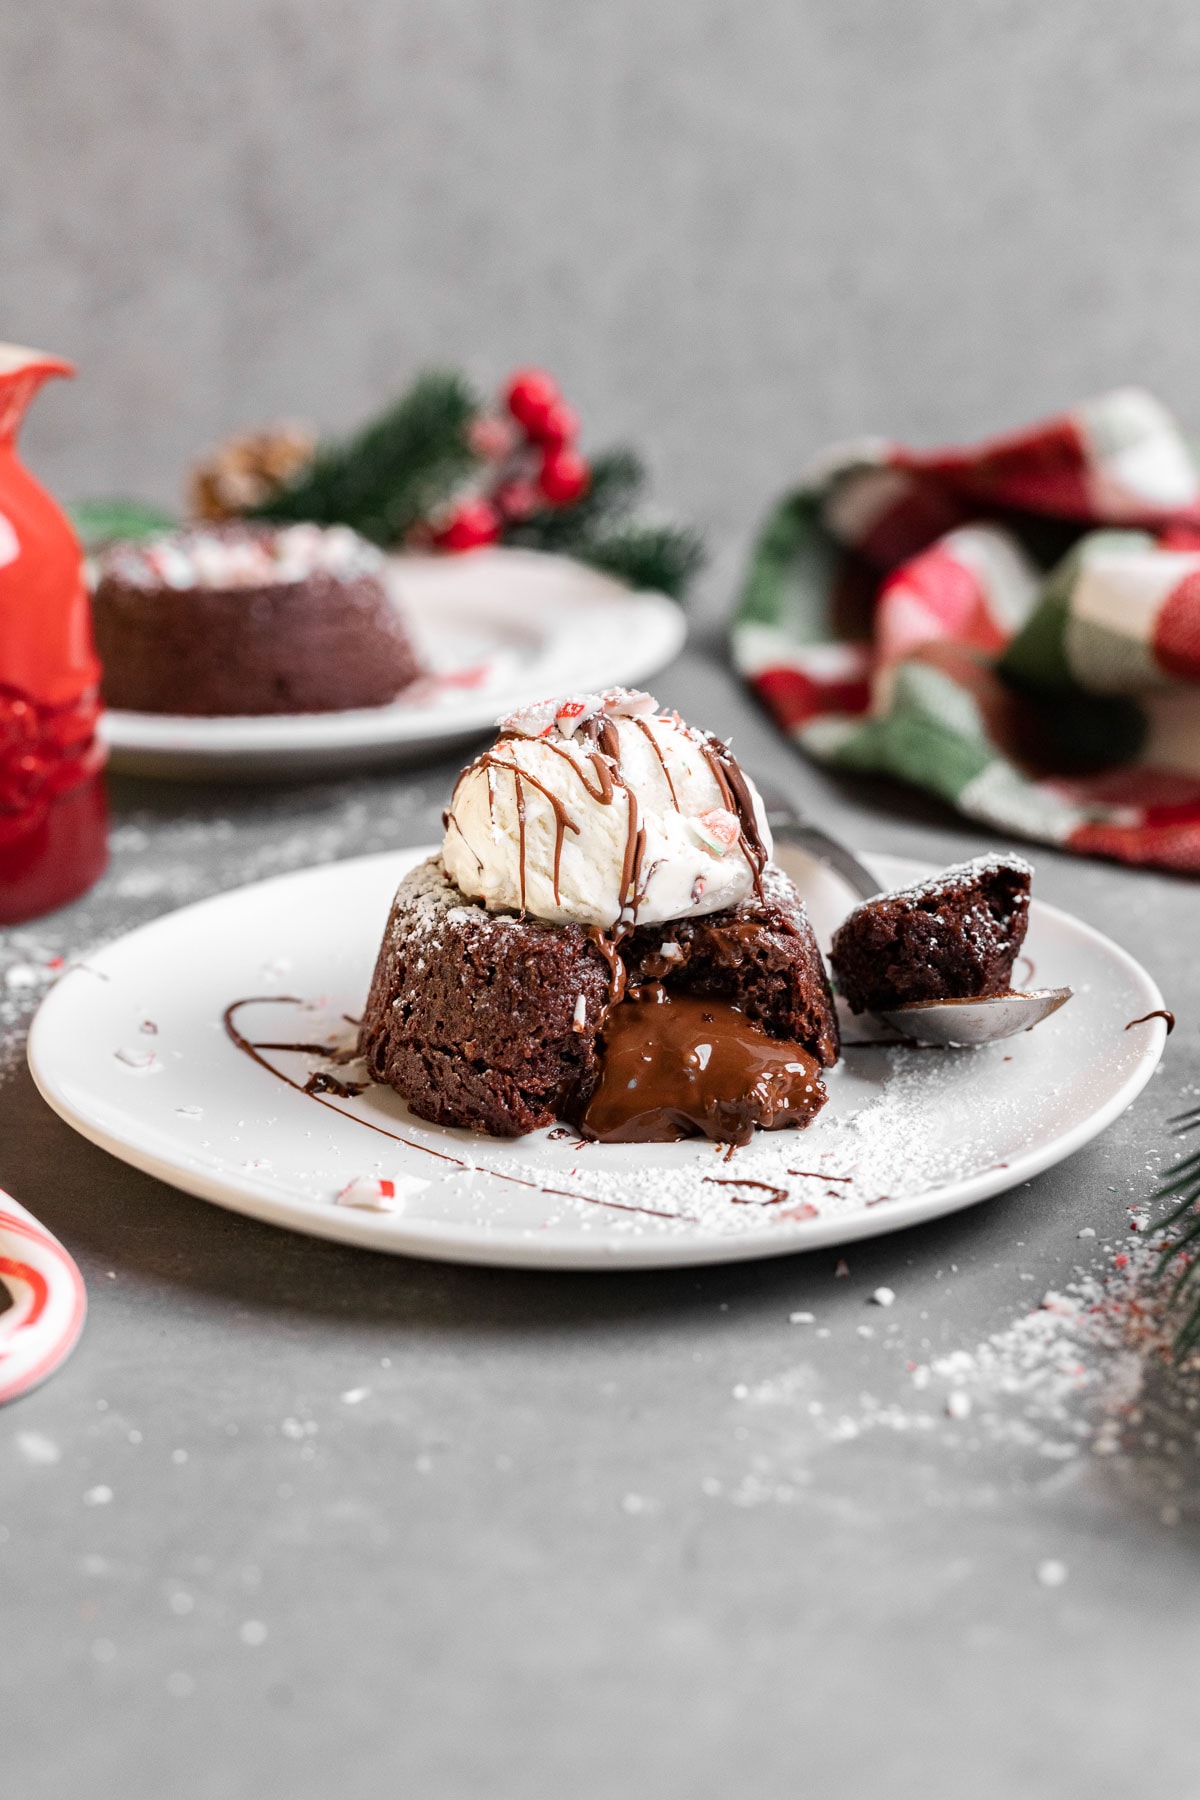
<point x="598" y="529"/>
<point x="617" y="480"/>
<point x="408" y="466"/>
<point x="101" y="522"/>
<point x="1181" y="1182"/>
<point x="404" y="465"/>
<point x="394" y="472"/>
<point x="664" y="558"/>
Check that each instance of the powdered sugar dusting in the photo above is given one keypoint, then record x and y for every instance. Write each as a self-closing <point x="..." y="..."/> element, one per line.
<point x="852" y="1158"/>
<point x="1089" y="1368"/>
<point x="934" y="886"/>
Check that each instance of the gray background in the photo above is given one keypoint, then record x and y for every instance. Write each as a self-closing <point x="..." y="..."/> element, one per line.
<point x="551" y="1552"/>
<point x="734" y="230"/>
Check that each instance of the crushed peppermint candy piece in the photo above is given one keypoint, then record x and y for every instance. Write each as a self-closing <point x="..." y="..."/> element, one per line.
<point x="629" y="703"/>
<point x="533" y="721"/>
<point x="197" y="557"/>
<point x="145" y="1062"/>
<point x="539" y="718"/>
<point x="380" y="1193"/>
<point x="576" y="711"/>
<point x="718" y="830"/>
<point x="671" y="951"/>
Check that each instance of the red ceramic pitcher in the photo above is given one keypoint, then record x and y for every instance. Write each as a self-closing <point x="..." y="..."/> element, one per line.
<point x="53" y="817"/>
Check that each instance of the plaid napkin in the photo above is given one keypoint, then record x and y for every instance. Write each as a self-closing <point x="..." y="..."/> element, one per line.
<point x="1014" y="627"/>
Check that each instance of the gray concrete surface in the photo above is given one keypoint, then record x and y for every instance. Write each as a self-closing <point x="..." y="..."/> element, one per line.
<point x="552" y="1551"/>
<point x="736" y="228"/>
<point x="585" y="1534"/>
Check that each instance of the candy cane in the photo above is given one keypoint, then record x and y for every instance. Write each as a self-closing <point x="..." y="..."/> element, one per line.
<point x="42" y="1326"/>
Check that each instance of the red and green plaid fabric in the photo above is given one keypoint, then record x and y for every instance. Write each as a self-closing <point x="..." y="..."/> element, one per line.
<point x="1014" y="627"/>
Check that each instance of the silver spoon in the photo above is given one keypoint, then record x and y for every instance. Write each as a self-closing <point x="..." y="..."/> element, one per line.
<point x="925" y="1021"/>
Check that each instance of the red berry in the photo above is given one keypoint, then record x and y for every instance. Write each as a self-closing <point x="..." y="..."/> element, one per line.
<point x="472" y="524"/>
<point x="530" y="395"/>
<point x="563" y="476"/>
<point x="559" y="427"/>
<point x="518" y="498"/>
<point x="491" y="438"/>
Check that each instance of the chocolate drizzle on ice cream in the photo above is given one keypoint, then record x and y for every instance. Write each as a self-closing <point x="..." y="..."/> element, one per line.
<point x="601" y="810"/>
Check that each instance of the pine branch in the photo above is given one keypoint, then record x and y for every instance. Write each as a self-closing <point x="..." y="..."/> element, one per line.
<point x="663" y="558"/>
<point x="1181" y="1182"/>
<point x="392" y="474"/>
<point x="597" y="529"/>
<point x="401" y="468"/>
<point x="101" y="522"/>
<point x="617" y="480"/>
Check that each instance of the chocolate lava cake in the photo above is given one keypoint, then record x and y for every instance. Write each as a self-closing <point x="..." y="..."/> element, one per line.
<point x="249" y="619"/>
<point x="495" y="1022"/>
<point x="953" y="937"/>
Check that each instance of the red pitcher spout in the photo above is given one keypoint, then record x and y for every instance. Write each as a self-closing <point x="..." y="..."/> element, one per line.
<point x="22" y="373"/>
<point x="52" y="811"/>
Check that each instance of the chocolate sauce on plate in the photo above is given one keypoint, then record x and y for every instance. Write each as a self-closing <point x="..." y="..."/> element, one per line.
<point x="322" y="1082"/>
<point x="254" y="1050"/>
<point x="776" y="1195"/>
<point x="1160" y="1012"/>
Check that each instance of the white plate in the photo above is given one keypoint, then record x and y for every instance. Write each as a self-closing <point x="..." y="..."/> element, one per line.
<point x="906" y="1134"/>
<point x="497" y="627"/>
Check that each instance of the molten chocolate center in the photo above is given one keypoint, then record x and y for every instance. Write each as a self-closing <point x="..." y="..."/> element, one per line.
<point x="675" y="1065"/>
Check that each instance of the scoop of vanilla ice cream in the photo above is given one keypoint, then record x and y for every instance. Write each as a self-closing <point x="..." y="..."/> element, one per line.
<point x="691" y="861"/>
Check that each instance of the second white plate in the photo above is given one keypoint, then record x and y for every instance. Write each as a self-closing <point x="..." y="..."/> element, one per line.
<point x="497" y="628"/>
<point x="131" y="1050"/>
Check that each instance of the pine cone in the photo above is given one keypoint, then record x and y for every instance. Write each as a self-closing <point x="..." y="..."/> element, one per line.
<point x="248" y="469"/>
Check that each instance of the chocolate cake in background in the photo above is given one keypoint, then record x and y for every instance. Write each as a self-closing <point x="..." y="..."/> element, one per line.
<point x="952" y="937"/>
<point x="249" y="619"/>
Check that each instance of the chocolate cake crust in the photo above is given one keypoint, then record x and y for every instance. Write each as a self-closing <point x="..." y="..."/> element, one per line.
<point x="492" y="1022"/>
<point x="953" y="937"/>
